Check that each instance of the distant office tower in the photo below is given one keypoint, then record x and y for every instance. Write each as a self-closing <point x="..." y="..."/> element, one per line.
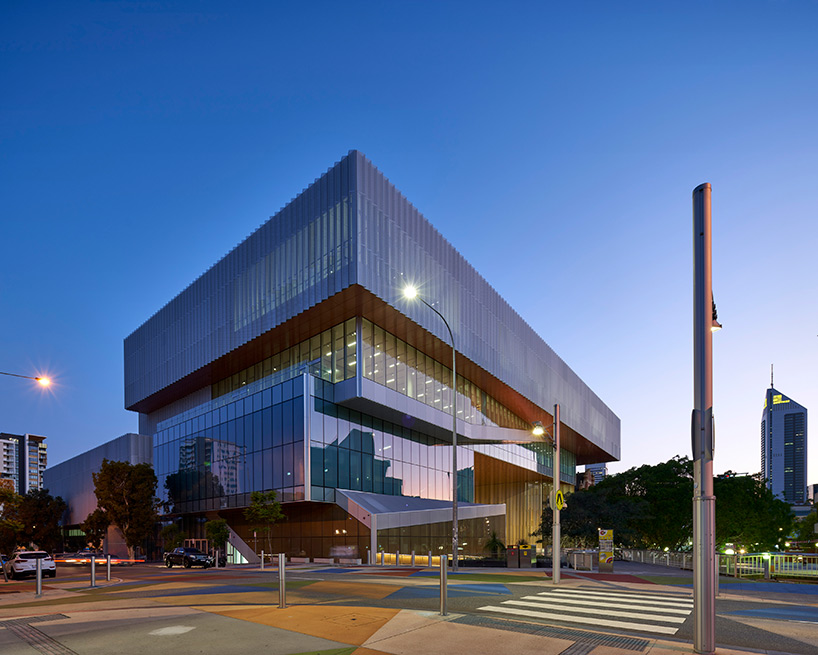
<point x="599" y="471"/>
<point x="23" y="462"/>
<point x="784" y="447"/>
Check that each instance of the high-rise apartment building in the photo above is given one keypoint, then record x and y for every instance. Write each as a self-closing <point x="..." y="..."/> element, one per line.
<point x="24" y="459"/>
<point x="296" y="364"/>
<point x="784" y="447"/>
<point x="599" y="471"/>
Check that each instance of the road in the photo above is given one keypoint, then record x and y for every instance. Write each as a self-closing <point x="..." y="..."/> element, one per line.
<point x="630" y="609"/>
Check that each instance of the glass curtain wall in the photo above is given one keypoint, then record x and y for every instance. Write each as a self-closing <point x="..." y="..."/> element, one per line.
<point x="389" y="361"/>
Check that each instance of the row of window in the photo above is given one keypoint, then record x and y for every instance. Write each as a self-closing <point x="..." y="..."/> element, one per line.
<point x="389" y="361"/>
<point x="331" y="355"/>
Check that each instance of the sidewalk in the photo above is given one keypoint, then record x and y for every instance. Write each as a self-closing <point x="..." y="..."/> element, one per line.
<point x="70" y="620"/>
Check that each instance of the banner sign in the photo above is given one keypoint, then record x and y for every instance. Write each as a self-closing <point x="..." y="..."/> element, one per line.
<point x="606" y="551"/>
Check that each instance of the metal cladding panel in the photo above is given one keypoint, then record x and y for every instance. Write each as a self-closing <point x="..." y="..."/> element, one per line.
<point x="298" y="258"/>
<point x="397" y="245"/>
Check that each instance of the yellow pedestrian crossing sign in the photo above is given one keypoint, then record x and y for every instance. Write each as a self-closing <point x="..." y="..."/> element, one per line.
<point x="560" y="500"/>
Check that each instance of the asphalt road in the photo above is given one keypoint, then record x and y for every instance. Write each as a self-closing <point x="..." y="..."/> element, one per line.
<point x="758" y="616"/>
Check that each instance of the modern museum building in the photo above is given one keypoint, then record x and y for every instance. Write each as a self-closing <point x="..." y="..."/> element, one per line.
<point x="297" y="364"/>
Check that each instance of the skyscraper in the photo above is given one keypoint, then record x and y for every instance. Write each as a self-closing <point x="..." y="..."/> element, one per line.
<point x="24" y="458"/>
<point x="784" y="447"/>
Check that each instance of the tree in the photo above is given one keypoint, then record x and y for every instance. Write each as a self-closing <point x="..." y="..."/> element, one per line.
<point x="666" y="492"/>
<point x="39" y="514"/>
<point x="217" y="532"/>
<point x="95" y="528"/>
<point x="126" y="493"/>
<point x="494" y="545"/>
<point x="172" y="536"/>
<point x="749" y="515"/>
<point x="264" y="511"/>
<point x="805" y="531"/>
<point x="10" y="526"/>
<point x="590" y="509"/>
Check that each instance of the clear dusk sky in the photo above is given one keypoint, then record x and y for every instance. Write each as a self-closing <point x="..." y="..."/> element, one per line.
<point x="555" y="145"/>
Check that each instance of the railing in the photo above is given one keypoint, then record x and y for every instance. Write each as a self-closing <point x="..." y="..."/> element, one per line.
<point x="766" y="565"/>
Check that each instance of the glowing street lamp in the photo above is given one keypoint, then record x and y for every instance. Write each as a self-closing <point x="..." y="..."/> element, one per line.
<point x="42" y="380"/>
<point x="411" y="293"/>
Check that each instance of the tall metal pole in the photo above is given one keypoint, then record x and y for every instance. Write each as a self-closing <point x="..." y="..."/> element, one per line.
<point x="455" y="549"/>
<point x="556" y="555"/>
<point x="704" y="502"/>
<point x="455" y="528"/>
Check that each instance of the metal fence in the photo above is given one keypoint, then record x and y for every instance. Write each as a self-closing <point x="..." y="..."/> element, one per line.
<point x="750" y="565"/>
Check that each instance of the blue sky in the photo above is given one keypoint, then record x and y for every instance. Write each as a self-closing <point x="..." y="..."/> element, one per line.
<point x="556" y="145"/>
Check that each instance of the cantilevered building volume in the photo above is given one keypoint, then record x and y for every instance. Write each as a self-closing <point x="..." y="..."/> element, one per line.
<point x="784" y="447"/>
<point x="295" y="364"/>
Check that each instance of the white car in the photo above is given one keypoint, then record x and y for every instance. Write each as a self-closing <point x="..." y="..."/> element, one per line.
<point x="24" y="562"/>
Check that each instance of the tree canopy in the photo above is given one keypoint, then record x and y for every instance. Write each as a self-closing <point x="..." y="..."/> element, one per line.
<point x="651" y="506"/>
<point x="217" y="532"/>
<point x="263" y="512"/>
<point x="37" y="517"/>
<point x="10" y="526"/>
<point x="95" y="528"/>
<point x="126" y="493"/>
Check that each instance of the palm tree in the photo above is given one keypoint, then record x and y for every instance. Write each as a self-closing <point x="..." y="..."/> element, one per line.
<point x="495" y="545"/>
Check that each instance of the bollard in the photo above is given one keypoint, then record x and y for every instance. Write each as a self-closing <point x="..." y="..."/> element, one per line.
<point x="444" y="560"/>
<point x="39" y="592"/>
<point x="369" y="557"/>
<point x="413" y="558"/>
<point x="93" y="571"/>
<point x="430" y="558"/>
<point x="262" y="560"/>
<point x="218" y="552"/>
<point x="383" y="557"/>
<point x="397" y="558"/>
<point x="766" y="564"/>
<point x="108" y="572"/>
<point x="282" y="585"/>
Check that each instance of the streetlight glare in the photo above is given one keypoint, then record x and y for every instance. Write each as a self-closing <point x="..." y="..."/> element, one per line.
<point x="43" y="381"/>
<point x="538" y="430"/>
<point x="410" y="292"/>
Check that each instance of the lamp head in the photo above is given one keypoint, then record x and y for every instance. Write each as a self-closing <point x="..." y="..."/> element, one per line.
<point x="410" y="292"/>
<point x="538" y="430"/>
<point x="43" y="381"/>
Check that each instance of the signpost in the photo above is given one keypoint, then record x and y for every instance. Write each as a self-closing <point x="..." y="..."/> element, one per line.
<point x="606" y="551"/>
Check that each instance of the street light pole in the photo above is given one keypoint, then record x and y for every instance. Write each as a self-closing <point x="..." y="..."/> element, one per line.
<point x="411" y="293"/>
<point x="704" y="502"/>
<point x="556" y="555"/>
<point x="41" y="380"/>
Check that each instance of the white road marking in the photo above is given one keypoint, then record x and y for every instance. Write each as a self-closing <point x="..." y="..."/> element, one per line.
<point x="564" y="606"/>
<point x="589" y="620"/>
<point x="172" y="630"/>
<point x="558" y="598"/>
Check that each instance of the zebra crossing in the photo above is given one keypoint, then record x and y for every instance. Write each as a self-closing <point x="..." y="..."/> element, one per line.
<point x="655" y="613"/>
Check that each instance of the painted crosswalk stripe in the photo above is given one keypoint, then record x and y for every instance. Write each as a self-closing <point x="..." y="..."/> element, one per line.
<point x="555" y="599"/>
<point x="594" y="610"/>
<point x="639" y="627"/>
<point x="605" y="609"/>
<point x="655" y="600"/>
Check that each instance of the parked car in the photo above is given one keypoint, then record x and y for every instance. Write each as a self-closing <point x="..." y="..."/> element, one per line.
<point x="24" y="562"/>
<point x="187" y="557"/>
